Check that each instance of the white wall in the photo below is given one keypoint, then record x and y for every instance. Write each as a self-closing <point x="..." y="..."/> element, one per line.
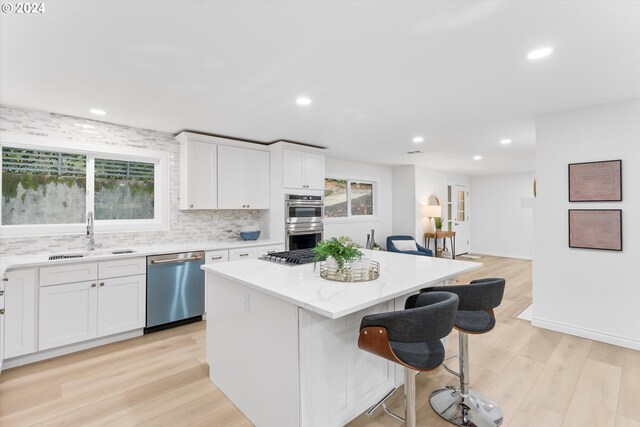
<point x="404" y="198"/>
<point x="589" y="293"/>
<point x="501" y="225"/>
<point x="412" y="186"/>
<point x="358" y="229"/>
<point x="433" y="182"/>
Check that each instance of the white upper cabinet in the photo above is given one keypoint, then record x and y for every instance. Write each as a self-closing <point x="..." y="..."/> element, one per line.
<point x="221" y="173"/>
<point x="243" y="178"/>
<point x="198" y="175"/>
<point x="303" y="170"/>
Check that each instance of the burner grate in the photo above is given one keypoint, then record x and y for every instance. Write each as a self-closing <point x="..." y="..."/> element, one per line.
<point x="295" y="257"/>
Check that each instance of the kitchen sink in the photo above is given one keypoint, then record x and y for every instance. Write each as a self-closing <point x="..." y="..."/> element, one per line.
<point x="91" y="253"/>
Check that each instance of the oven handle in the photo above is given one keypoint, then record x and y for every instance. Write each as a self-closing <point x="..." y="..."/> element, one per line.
<point x="308" y="231"/>
<point x="305" y="203"/>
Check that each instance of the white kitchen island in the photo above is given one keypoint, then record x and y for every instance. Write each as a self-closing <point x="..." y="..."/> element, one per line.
<point x="282" y="341"/>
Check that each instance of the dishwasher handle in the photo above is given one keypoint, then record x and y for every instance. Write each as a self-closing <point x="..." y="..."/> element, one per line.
<point x="167" y="261"/>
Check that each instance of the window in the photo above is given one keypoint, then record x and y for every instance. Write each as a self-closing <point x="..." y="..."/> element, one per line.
<point x="42" y="187"/>
<point x="123" y="190"/>
<point x="348" y="198"/>
<point x="49" y="187"/>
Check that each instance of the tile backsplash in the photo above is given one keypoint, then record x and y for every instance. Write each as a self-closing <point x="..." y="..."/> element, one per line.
<point x="185" y="226"/>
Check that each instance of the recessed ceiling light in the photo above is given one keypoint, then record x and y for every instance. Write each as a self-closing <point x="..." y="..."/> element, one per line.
<point x="505" y="141"/>
<point x="418" y="139"/>
<point x="540" y="53"/>
<point x="97" y="112"/>
<point x="303" y="100"/>
<point x="84" y="126"/>
<point x="89" y="131"/>
<point x="478" y="157"/>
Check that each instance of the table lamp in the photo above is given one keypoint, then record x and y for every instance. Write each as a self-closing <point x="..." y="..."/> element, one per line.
<point x="431" y="212"/>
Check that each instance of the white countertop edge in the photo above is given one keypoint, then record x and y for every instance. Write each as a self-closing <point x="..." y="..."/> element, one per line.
<point x="342" y="313"/>
<point x="16" y="262"/>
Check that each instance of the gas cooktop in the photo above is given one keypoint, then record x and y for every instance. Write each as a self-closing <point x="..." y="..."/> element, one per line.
<point x="296" y="257"/>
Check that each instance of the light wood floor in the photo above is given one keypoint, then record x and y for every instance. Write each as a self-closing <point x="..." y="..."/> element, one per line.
<point x="539" y="378"/>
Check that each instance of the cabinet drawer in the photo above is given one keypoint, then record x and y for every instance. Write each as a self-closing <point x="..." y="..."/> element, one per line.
<point x="266" y="250"/>
<point x="212" y="257"/>
<point x="239" y="254"/>
<point x="68" y="273"/>
<point x="122" y="267"/>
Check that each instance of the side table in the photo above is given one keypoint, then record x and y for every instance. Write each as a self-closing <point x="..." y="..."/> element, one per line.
<point x="440" y="234"/>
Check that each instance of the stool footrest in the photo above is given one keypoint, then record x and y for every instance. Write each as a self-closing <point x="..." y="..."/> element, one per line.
<point x="451" y="371"/>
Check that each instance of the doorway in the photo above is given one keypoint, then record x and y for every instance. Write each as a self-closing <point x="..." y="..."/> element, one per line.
<point x="458" y="216"/>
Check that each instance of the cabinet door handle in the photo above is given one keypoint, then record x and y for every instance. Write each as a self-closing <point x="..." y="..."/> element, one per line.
<point x="244" y="254"/>
<point x="247" y="205"/>
<point x="101" y="283"/>
<point x="191" y="206"/>
<point x="216" y="257"/>
<point x="93" y="285"/>
<point x="1" y="293"/>
<point x="1" y="310"/>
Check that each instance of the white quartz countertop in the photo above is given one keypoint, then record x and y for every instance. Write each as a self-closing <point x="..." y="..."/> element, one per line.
<point x="400" y="274"/>
<point x="32" y="260"/>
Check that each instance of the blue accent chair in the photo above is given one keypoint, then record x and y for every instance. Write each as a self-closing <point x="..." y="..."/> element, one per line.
<point x="421" y="249"/>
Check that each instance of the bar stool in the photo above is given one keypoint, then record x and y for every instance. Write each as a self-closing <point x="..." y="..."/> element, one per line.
<point x="462" y="406"/>
<point x="411" y="338"/>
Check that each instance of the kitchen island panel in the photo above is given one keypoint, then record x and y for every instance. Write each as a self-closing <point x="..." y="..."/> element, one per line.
<point x="252" y="351"/>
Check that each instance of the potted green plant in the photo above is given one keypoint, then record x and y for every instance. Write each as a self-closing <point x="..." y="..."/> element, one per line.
<point x="339" y="250"/>
<point x="439" y="221"/>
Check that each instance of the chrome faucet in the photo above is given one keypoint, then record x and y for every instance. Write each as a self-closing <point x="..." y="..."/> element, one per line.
<point x="91" y="233"/>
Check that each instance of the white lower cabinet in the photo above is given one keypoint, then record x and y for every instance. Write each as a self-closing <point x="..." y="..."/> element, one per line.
<point x="20" y="306"/>
<point x="121" y="304"/>
<point x="266" y="250"/>
<point x="238" y="254"/>
<point x="68" y="314"/>
<point x="82" y="311"/>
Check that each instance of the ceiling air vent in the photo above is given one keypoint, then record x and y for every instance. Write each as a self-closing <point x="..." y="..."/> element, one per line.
<point x="415" y="152"/>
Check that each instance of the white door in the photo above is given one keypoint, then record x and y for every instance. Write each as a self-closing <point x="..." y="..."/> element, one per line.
<point x="256" y="183"/>
<point x="293" y="169"/>
<point x="202" y="185"/>
<point x="231" y="176"/>
<point x="20" y="313"/>
<point x="68" y="314"/>
<point x="459" y="217"/>
<point x="314" y="171"/>
<point x="121" y="304"/>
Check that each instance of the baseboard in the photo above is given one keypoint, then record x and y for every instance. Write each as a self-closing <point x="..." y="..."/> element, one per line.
<point x="501" y="255"/>
<point x="68" y="349"/>
<point x="586" y="333"/>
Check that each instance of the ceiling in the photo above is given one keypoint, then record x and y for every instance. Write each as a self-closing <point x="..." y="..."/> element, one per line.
<point x="378" y="73"/>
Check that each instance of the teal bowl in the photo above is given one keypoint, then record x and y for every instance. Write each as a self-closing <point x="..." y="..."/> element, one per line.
<point x="250" y="235"/>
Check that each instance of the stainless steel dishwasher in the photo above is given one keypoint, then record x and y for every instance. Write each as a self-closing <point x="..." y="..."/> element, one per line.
<point x="175" y="290"/>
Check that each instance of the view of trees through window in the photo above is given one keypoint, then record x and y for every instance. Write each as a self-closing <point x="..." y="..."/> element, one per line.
<point x="343" y="198"/>
<point x="123" y="190"/>
<point x="49" y="187"/>
<point x="42" y="187"/>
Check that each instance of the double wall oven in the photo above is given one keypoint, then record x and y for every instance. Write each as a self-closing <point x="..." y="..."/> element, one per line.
<point x="304" y="221"/>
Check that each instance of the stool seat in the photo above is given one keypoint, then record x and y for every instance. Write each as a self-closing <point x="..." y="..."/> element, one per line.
<point x="421" y="355"/>
<point x="474" y="322"/>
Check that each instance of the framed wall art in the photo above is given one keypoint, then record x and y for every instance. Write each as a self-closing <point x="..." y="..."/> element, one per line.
<point x="595" y="181"/>
<point x="595" y="229"/>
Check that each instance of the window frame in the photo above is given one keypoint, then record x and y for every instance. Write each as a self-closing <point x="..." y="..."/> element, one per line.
<point x="160" y="160"/>
<point x="350" y="217"/>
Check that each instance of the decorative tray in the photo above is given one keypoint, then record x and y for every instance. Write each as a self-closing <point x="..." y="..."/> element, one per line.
<point x="359" y="271"/>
